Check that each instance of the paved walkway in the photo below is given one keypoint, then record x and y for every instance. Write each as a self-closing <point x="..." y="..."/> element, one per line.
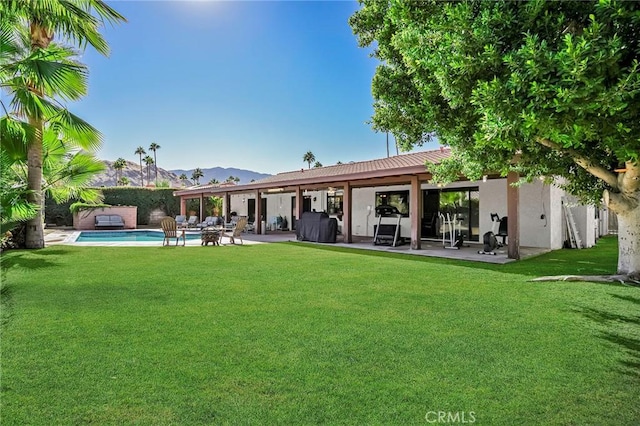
<point x="429" y="248"/>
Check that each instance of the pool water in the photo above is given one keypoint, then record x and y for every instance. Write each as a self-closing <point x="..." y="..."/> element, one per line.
<point x="122" y="236"/>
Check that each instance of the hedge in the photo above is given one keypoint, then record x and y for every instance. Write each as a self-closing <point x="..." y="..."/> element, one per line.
<point x="146" y="199"/>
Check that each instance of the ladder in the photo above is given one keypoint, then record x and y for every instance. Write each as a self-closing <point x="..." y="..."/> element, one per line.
<point x="572" y="229"/>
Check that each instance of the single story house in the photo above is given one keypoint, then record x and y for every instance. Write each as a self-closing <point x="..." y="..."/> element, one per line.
<point x="539" y="215"/>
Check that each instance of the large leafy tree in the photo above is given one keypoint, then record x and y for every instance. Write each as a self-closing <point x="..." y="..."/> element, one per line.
<point x="48" y="75"/>
<point x="541" y="88"/>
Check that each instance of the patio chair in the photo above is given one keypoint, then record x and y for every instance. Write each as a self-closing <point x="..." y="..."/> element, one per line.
<point x="181" y="220"/>
<point x="236" y="232"/>
<point x="170" y="229"/>
<point x="192" y="222"/>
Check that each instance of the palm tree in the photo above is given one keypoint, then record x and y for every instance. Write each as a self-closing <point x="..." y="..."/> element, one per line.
<point x="154" y="147"/>
<point x="124" y="181"/>
<point x="233" y="179"/>
<point x="140" y="151"/>
<point x="214" y="181"/>
<point x="66" y="172"/>
<point x="196" y="175"/>
<point x="148" y="160"/>
<point x="309" y="158"/>
<point x="118" y="165"/>
<point x="49" y="77"/>
<point x="317" y="164"/>
<point x="183" y="178"/>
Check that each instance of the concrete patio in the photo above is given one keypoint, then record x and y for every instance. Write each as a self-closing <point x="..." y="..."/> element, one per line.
<point x="429" y="248"/>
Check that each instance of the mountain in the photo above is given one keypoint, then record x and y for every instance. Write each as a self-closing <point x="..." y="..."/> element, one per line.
<point x="221" y="174"/>
<point x="132" y="172"/>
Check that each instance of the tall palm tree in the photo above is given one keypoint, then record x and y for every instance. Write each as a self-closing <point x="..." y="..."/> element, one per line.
<point x="196" y="175"/>
<point x="49" y="78"/>
<point x="154" y="147"/>
<point x="119" y="165"/>
<point x="309" y="158"/>
<point x="140" y="151"/>
<point x="148" y="160"/>
<point x="183" y="178"/>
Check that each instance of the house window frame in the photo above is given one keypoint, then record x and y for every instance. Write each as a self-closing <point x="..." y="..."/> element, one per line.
<point x="396" y="198"/>
<point x="335" y="201"/>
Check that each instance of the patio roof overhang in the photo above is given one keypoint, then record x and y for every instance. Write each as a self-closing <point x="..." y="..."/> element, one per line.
<point x="387" y="171"/>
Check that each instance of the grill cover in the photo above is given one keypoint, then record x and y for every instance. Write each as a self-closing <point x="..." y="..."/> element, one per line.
<point x="317" y="227"/>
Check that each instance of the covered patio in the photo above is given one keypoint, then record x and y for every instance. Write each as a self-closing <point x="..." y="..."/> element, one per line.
<point x="406" y="169"/>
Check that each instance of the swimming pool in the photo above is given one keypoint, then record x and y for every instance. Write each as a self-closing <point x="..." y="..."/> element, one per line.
<point x="126" y="236"/>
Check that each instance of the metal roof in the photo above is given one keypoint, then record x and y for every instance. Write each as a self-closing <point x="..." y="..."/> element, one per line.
<point x="403" y="164"/>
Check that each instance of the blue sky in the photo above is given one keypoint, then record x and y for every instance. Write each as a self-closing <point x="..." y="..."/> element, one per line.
<point x="251" y="85"/>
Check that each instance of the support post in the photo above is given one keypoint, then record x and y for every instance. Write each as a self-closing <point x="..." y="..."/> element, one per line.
<point x="258" y="222"/>
<point x="513" y="226"/>
<point x="299" y="204"/>
<point x="346" y="213"/>
<point x="415" y="203"/>
<point x="183" y="205"/>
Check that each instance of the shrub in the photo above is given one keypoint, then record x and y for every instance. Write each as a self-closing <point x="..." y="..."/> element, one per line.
<point x="146" y="199"/>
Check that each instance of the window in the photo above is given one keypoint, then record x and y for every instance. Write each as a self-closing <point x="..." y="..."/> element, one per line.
<point x="334" y="203"/>
<point x="397" y="199"/>
<point x="464" y="204"/>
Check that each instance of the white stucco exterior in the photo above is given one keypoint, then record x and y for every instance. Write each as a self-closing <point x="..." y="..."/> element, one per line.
<point x="541" y="218"/>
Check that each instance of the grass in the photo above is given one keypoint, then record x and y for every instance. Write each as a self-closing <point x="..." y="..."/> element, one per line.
<point x="307" y="334"/>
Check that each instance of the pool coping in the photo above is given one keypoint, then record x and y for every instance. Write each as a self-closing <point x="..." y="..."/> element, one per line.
<point x="69" y="237"/>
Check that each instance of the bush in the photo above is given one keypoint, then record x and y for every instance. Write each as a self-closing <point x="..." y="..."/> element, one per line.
<point x="146" y="199"/>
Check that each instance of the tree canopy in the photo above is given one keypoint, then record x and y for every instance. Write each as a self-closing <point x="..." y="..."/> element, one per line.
<point x="541" y="88"/>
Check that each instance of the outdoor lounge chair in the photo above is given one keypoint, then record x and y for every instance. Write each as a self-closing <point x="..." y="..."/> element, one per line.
<point x="193" y="221"/>
<point x="236" y="232"/>
<point x="181" y="220"/>
<point x="170" y="229"/>
<point x="208" y="221"/>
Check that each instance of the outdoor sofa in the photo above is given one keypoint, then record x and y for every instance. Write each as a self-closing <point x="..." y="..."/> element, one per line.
<point x="109" y="221"/>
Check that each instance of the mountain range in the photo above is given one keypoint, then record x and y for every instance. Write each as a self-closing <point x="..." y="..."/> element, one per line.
<point x="132" y="172"/>
<point x="221" y="174"/>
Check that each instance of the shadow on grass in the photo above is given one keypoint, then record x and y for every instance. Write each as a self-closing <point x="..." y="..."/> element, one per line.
<point x="617" y="331"/>
<point x="31" y="259"/>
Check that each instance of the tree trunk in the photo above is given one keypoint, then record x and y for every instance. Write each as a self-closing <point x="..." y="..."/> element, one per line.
<point x="35" y="227"/>
<point x="629" y="242"/>
<point x="34" y="238"/>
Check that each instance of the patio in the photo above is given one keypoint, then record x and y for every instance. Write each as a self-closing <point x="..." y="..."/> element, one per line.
<point x="429" y="248"/>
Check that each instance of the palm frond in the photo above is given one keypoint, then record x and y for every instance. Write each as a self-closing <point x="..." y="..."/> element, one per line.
<point x="14" y="206"/>
<point x="70" y="127"/>
<point x="15" y="136"/>
<point x="71" y="178"/>
<point x="70" y="19"/>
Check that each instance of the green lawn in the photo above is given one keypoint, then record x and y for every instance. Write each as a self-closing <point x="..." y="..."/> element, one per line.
<point x="301" y="334"/>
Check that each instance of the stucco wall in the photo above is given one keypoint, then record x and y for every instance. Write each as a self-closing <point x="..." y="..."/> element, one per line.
<point x="541" y="218"/>
<point x="85" y="220"/>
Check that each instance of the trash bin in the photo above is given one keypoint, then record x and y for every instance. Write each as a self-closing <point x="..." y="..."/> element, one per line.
<point x="263" y="227"/>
